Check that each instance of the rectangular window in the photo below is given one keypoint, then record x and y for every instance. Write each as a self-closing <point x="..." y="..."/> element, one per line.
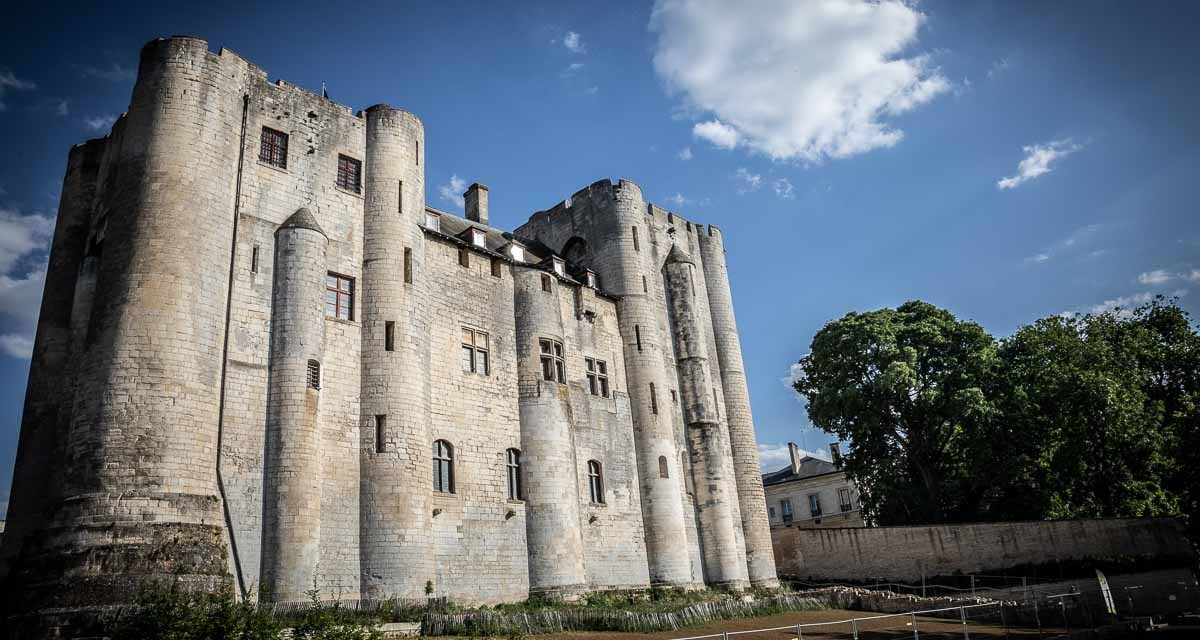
<point x="433" y="221"/>
<point x="771" y="515"/>
<point x="597" y="377"/>
<point x="785" y="508"/>
<point x="400" y="197"/>
<point x="417" y="150"/>
<point x="496" y="267"/>
<point x="636" y="245"/>
<point x="407" y="265"/>
<point x="380" y="433"/>
<point x="554" y="367"/>
<point x="475" y="351"/>
<point x="545" y="282"/>
<point x="844" y="499"/>
<point x="339" y="296"/>
<point x="274" y="147"/>
<point x="254" y="259"/>
<point x="674" y="397"/>
<point x="645" y="286"/>
<point x="814" y="504"/>
<point x="313" y="375"/>
<point x="653" y="399"/>
<point x="349" y="175"/>
<point x="464" y="258"/>
<point x="389" y="336"/>
<point x="637" y="334"/>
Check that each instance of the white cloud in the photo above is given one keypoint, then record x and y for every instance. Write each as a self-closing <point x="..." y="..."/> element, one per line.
<point x="571" y="69"/>
<point x="21" y="236"/>
<point x="17" y="346"/>
<point x="720" y="134"/>
<point x="1038" y="161"/>
<point x="998" y="67"/>
<point x="678" y="199"/>
<point x="1124" y="305"/>
<point x="684" y="153"/>
<point x="1158" y="276"/>
<point x="1038" y="258"/>
<point x="99" y="123"/>
<point x="784" y="189"/>
<point x="10" y="81"/>
<point x="63" y="108"/>
<point x="1081" y="236"/>
<point x="1191" y="276"/>
<point x="793" y="374"/>
<point x="113" y="73"/>
<point x="574" y="42"/>
<point x="749" y="181"/>
<point x="452" y="190"/>
<point x="775" y="456"/>
<point x="795" y="80"/>
<point x="592" y="90"/>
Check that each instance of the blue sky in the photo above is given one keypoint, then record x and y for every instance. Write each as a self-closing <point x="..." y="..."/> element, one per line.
<point x="1006" y="160"/>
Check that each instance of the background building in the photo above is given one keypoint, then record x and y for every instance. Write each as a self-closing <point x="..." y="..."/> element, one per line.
<point x="811" y="492"/>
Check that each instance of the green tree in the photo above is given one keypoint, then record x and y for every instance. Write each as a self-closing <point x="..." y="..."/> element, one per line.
<point x="906" y="387"/>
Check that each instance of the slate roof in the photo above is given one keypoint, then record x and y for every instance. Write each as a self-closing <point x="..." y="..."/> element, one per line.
<point x="809" y="467"/>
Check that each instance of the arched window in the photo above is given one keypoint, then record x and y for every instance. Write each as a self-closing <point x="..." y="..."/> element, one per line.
<point x="662" y="467"/>
<point x="513" y="461"/>
<point x="596" y="482"/>
<point x="443" y="467"/>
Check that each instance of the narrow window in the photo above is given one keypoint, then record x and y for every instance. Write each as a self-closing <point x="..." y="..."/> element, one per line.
<point x="814" y="504"/>
<point x="254" y="259"/>
<point x="602" y="374"/>
<point x="475" y="352"/>
<point x="687" y="477"/>
<point x="785" y="508"/>
<point x="595" y="482"/>
<point x="662" y="467"/>
<point x="314" y="374"/>
<point x="597" y="377"/>
<point x="407" y="265"/>
<point x="513" y="462"/>
<point x="554" y="367"/>
<point x="716" y="405"/>
<point x="389" y="336"/>
<point x="844" y="499"/>
<point x="496" y="267"/>
<point x="645" y="285"/>
<point x="674" y="397"/>
<point x="349" y="174"/>
<point x="339" y="296"/>
<point x="273" y="148"/>
<point x="637" y="333"/>
<point x="380" y="433"/>
<point x="545" y="282"/>
<point x="400" y="197"/>
<point x="653" y="399"/>
<point x="771" y="515"/>
<point x="417" y="149"/>
<point x="464" y="258"/>
<point x="443" y="467"/>
<point x="636" y="245"/>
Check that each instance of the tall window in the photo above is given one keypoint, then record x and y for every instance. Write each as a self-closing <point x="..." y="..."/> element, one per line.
<point x="663" y="470"/>
<point x="513" y="462"/>
<point x="814" y="504"/>
<point x="597" y="377"/>
<point x="475" y="351"/>
<point x="407" y="265"/>
<point x="554" y="368"/>
<point x="545" y="282"/>
<point x="636" y="246"/>
<point x="496" y="267"/>
<point x="844" y="499"/>
<point x="313" y="375"/>
<point x="349" y="176"/>
<point x="443" y="467"/>
<point x="380" y="433"/>
<point x="596" y="482"/>
<point x="273" y="148"/>
<point x="785" y="508"/>
<point x="339" y="296"/>
<point x="653" y="399"/>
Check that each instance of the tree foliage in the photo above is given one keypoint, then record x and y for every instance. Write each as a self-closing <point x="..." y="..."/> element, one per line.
<point x="1082" y="416"/>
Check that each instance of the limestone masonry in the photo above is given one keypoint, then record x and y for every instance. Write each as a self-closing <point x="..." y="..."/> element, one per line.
<point x="263" y="360"/>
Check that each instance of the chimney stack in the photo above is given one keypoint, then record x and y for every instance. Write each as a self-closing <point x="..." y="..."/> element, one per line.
<point x="794" y="452"/>
<point x="476" y="200"/>
<point x="835" y="451"/>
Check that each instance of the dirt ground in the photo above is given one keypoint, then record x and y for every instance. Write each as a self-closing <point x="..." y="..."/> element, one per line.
<point x="886" y="628"/>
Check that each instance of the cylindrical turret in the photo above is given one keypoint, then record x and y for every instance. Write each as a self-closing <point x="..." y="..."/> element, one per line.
<point x="724" y="565"/>
<point x="292" y="460"/>
<point x="396" y="451"/>
<point x="622" y="275"/>
<point x="760" y="558"/>
<point x="549" y="473"/>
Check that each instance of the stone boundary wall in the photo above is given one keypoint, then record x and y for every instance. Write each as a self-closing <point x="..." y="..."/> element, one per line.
<point x="905" y="554"/>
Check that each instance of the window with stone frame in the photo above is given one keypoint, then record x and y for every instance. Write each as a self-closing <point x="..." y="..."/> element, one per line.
<point x="475" y="352"/>
<point x="554" y="366"/>
<point x="313" y="375"/>
<point x="443" y="467"/>
<point x="349" y="174"/>
<point x="595" y="481"/>
<point x="785" y="509"/>
<point x="273" y="148"/>
<point x="512" y="460"/>
<point x="597" y="377"/>
<point x="663" y="468"/>
<point x="844" y="499"/>
<point x="814" y="504"/>
<point x="339" y="296"/>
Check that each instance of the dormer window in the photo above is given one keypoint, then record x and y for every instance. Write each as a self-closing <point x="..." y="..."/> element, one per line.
<point x="433" y="221"/>
<point x="479" y="238"/>
<point x="516" y="252"/>
<point x="560" y="267"/>
<point x="591" y="279"/>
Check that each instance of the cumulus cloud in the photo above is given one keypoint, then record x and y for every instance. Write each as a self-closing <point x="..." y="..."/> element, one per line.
<point x="99" y="123"/>
<point x="574" y="42"/>
<point x="10" y="81"/>
<point x="795" y="80"/>
<point x="1158" y="276"/>
<point x="684" y="153"/>
<point x="1038" y="161"/>
<point x="747" y="180"/>
<point x="452" y="190"/>
<point x="111" y="73"/>
<point x="21" y="238"/>
<point x="17" y="346"/>
<point x="784" y="189"/>
<point x="775" y="456"/>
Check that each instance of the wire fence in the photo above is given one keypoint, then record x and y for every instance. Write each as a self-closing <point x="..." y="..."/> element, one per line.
<point x="862" y="625"/>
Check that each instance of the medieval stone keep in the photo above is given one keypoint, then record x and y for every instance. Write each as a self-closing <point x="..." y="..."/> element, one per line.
<point x="262" y="359"/>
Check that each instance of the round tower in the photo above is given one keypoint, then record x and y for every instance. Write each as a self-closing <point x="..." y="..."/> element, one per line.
<point x="396" y="451"/>
<point x="551" y="494"/>
<point x="292" y="460"/>
<point x="760" y="558"/>
<point x="708" y="445"/>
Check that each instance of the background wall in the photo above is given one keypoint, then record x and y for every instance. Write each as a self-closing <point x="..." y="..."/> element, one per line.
<point x="907" y="553"/>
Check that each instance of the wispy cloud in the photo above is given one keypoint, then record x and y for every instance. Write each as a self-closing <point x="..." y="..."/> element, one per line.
<point x="592" y="90"/>
<point x="1163" y="276"/>
<point x="571" y="69"/>
<point x="574" y="42"/>
<point x="747" y="181"/>
<point x="684" y="153"/>
<point x="1073" y="241"/>
<point x="62" y="108"/>
<point x="111" y="73"/>
<point x="678" y="199"/>
<point x="784" y="189"/>
<point x="1038" y="161"/>
<point x="452" y="190"/>
<point x="99" y="123"/>
<point x="998" y="67"/>
<point x="795" y="80"/>
<point x="8" y="81"/>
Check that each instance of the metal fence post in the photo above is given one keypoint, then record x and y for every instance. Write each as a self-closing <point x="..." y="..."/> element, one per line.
<point x="1066" y="622"/>
<point x="799" y="633"/>
<point x="922" y="583"/>
<point x="962" y="614"/>
<point x="914" y="622"/>
<point x="854" y="627"/>
<point x="1037" y="616"/>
